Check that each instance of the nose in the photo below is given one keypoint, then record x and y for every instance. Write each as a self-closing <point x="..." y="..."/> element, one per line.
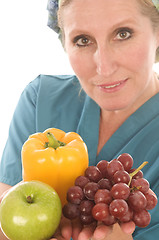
<point x="105" y="61"/>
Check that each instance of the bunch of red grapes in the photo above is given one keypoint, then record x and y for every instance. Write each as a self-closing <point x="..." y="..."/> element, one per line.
<point x="111" y="192"/>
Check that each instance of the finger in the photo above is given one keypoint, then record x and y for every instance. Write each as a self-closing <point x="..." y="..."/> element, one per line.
<point x="101" y="232"/>
<point x="128" y="227"/>
<point x="57" y="238"/>
<point x="87" y="232"/>
<point x="66" y="228"/>
<point x="57" y="235"/>
<point x="2" y="196"/>
<point x="76" y="229"/>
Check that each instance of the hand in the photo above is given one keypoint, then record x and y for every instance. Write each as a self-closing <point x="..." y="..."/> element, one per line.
<point x="1" y="197"/>
<point x="4" y="188"/>
<point x="102" y="232"/>
<point x="67" y="230"/>
<point x="64" y="231"/>
<point x="2" y="237"/>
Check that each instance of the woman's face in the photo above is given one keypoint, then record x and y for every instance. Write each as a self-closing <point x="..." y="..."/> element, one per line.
<point x="111" y="47"/>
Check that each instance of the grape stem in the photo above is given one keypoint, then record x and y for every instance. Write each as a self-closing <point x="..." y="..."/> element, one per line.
<point x="136" y="171"/>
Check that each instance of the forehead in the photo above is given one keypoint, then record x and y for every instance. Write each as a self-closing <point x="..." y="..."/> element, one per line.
<point x="85" y="13"/>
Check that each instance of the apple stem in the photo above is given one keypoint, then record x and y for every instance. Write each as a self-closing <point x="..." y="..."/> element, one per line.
<point x="29" y="199"/>
<point x="136" y="171"/>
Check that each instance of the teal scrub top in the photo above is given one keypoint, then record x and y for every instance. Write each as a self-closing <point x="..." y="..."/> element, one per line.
<point x="59" y="102"/>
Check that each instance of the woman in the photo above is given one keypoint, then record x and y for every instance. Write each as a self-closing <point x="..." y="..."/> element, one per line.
<point x="112" y="47"/>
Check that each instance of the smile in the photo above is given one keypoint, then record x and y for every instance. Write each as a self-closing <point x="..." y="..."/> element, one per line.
<point x="111" y="86"/>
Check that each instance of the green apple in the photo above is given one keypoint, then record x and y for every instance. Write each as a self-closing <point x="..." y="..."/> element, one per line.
<point x="30" y="211"/>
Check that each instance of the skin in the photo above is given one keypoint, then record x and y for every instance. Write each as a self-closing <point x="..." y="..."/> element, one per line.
<point x="110" y="54"/>
<point x="74" y="229"/>
<point x="113" y="61"/>
<point x="106" y="58"/>
<point x="3" y="190"/>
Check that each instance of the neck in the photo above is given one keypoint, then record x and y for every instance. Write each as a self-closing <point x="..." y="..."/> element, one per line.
<point x="151" y="90"/>
<point x="110" y="121"/>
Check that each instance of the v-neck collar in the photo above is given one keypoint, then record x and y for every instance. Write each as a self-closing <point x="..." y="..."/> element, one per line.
<point x="135" y="122"/>
<point x="88" y="128"/>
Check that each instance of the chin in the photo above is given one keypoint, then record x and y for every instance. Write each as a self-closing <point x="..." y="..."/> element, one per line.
<point x="114" y="106"/>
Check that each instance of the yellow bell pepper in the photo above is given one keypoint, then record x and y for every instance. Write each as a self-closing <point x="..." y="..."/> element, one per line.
<point x="56" y="158"/>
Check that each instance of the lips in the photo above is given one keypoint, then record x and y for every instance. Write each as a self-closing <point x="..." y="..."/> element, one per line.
<point x="113" y="86"/>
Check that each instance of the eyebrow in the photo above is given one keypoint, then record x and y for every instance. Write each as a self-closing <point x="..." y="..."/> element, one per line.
<point x="125" y="22"/>
<point x="115" y="26"/>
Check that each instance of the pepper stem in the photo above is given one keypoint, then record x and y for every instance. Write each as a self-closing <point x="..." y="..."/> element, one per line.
<point x="136" y="171"/>
<point x="53" y="142"/>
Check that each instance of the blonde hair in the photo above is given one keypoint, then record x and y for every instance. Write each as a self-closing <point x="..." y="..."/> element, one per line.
<point x="147" y="8"/>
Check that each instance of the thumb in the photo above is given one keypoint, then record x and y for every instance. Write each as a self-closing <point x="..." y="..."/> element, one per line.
<point x="128" y="227"/>
<point x="2" y="196"/>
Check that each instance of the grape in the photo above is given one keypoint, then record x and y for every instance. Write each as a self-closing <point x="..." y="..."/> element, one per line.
<point x="137" y="175"/>
<point x="102" y="166"/>
<point x="151" y="201"/>
<point x="137" y="200"/>
<point x="142" y="218"/>
<point x="71" y="210"/>
<point x="126" y="160"/>
<point x="118" y="208"/>
<point x="141" y="184"/>
<point x="93" y="173"/>
<point x="100" y="211"/>
<point x="75" y="195"/>
<point x="128" y="216"/>
<point x="114" y="166"/>
<point x="105" y="183"/>
<point x="109" y="220"/>
<point x="110" y="192"/>
<point x="103" y="196"/>
<point x="120" y="191"/>
<point x="90" y="189"/>
<point x="86" y="207"/>
<point x="81" y="181"/>
<point x="87" y="219"/>
<point x="121" y="176"/>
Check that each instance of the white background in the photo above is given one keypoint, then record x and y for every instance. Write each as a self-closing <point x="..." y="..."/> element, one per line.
<point x="27" y="48"/>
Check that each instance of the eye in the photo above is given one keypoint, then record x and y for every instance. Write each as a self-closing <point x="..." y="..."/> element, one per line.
<point x="82" y="41"/>
<point x="124" y="34"/>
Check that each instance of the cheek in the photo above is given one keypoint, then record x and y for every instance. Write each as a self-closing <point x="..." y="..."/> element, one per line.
<point x="141" y="57"/>
<point x="82" y="65"/>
